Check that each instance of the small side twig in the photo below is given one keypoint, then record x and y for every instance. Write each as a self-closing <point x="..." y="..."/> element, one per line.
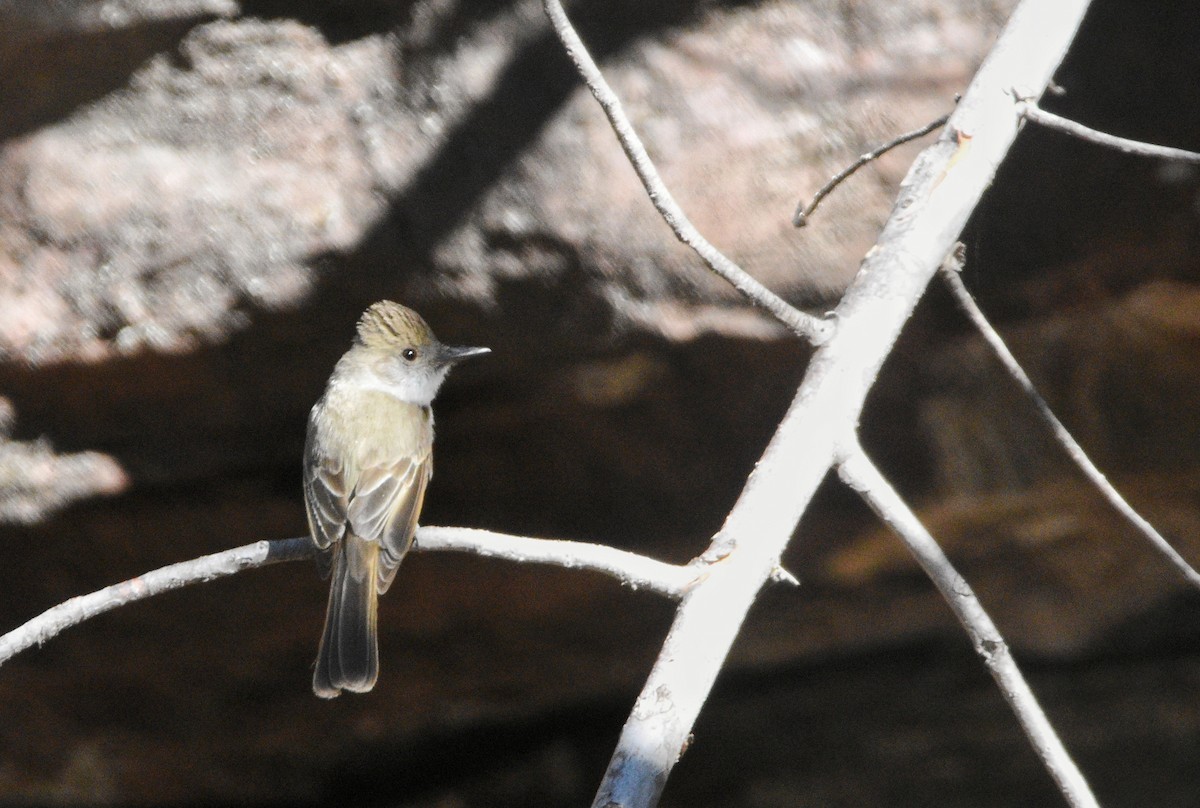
<point x="631" y="569"/>
<point x="858" y="472"/>
<point x="1032" y="112"/>
<point x="803" y="212"/>
<point x="808" y="327"/>
<point x="950" y="274"/>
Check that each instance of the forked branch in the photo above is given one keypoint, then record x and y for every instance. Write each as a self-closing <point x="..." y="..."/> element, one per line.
<point x="937" y="197"/>
<point x="817" y="433"/>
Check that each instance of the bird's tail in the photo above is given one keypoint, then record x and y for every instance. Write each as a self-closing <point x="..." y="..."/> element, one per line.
<point x="348" y="658"/>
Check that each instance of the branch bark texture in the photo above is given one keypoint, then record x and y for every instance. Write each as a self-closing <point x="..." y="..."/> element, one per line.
<point x="937" y="196"/>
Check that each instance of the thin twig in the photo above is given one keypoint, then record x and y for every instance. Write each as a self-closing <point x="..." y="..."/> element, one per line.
<point x="937" y="197"/>
<point x="803" y="212"/>
<point x="858" y="472"/>
<point x="1032" y="112"/>
<point x="950" y="274"/>
<point x="810" y="328"/>
<point x="635" y="571"/>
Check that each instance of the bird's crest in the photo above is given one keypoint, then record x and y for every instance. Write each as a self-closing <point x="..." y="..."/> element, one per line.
<point x="387" y="325"/>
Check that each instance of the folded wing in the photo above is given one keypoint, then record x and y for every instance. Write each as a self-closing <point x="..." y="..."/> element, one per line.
<point x="384" y="507"/>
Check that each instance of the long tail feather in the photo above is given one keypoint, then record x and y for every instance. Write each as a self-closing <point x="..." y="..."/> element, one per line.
<point x="348" y="658"/>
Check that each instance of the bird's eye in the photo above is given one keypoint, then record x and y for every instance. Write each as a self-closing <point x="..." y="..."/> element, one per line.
<point x="409" y="354"/>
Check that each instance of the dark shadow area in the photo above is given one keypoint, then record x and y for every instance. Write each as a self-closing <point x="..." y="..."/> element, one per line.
<point x="512" y="431"/>
<point x="557" y="757"/>
<point x="925" y="725"/>
<point x="338" y="21"/>
<point x="1058" y="201"/>
<point x="346" y="20"/>
<point x="42" y="80"/>
<point x="915" y="726"/>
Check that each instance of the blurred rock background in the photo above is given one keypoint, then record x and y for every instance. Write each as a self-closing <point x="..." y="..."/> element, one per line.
<point x="198" y="198"/>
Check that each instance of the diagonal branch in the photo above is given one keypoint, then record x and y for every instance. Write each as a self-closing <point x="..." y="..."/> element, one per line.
<point x="1032" y="112"/>
<point x="198" y="570"/>
<point x="937" y="197"/>
<point x="635" y="571"/>
<point x="858" y="472"/>
<point x="951" y="276"/>
<point x="804" y="212"/>
<point x="806" y="326"/>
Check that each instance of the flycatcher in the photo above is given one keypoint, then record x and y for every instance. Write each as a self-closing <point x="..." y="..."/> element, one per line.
<point x="367" y="461"/>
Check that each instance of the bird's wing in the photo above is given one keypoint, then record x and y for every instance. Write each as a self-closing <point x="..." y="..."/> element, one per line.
<point x="326" y="501"/>
<point x="384" y="508"/>
<point x="326" y="498"/>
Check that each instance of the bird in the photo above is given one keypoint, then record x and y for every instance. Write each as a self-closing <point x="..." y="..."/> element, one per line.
<point x="367" y="462"/>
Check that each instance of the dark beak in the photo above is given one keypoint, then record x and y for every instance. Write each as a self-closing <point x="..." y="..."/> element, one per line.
<point x="452" y="354"/>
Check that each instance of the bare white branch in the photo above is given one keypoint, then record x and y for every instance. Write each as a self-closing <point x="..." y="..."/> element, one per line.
<point x="937" y="197"/>
<point x="198" y="570"/>
<point x="635" y="571"/>
<point x="951" y="276"/>
<point x="1032" y="112"/>
<point x="813" y="329"/>
<point x="858" y="472"/>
